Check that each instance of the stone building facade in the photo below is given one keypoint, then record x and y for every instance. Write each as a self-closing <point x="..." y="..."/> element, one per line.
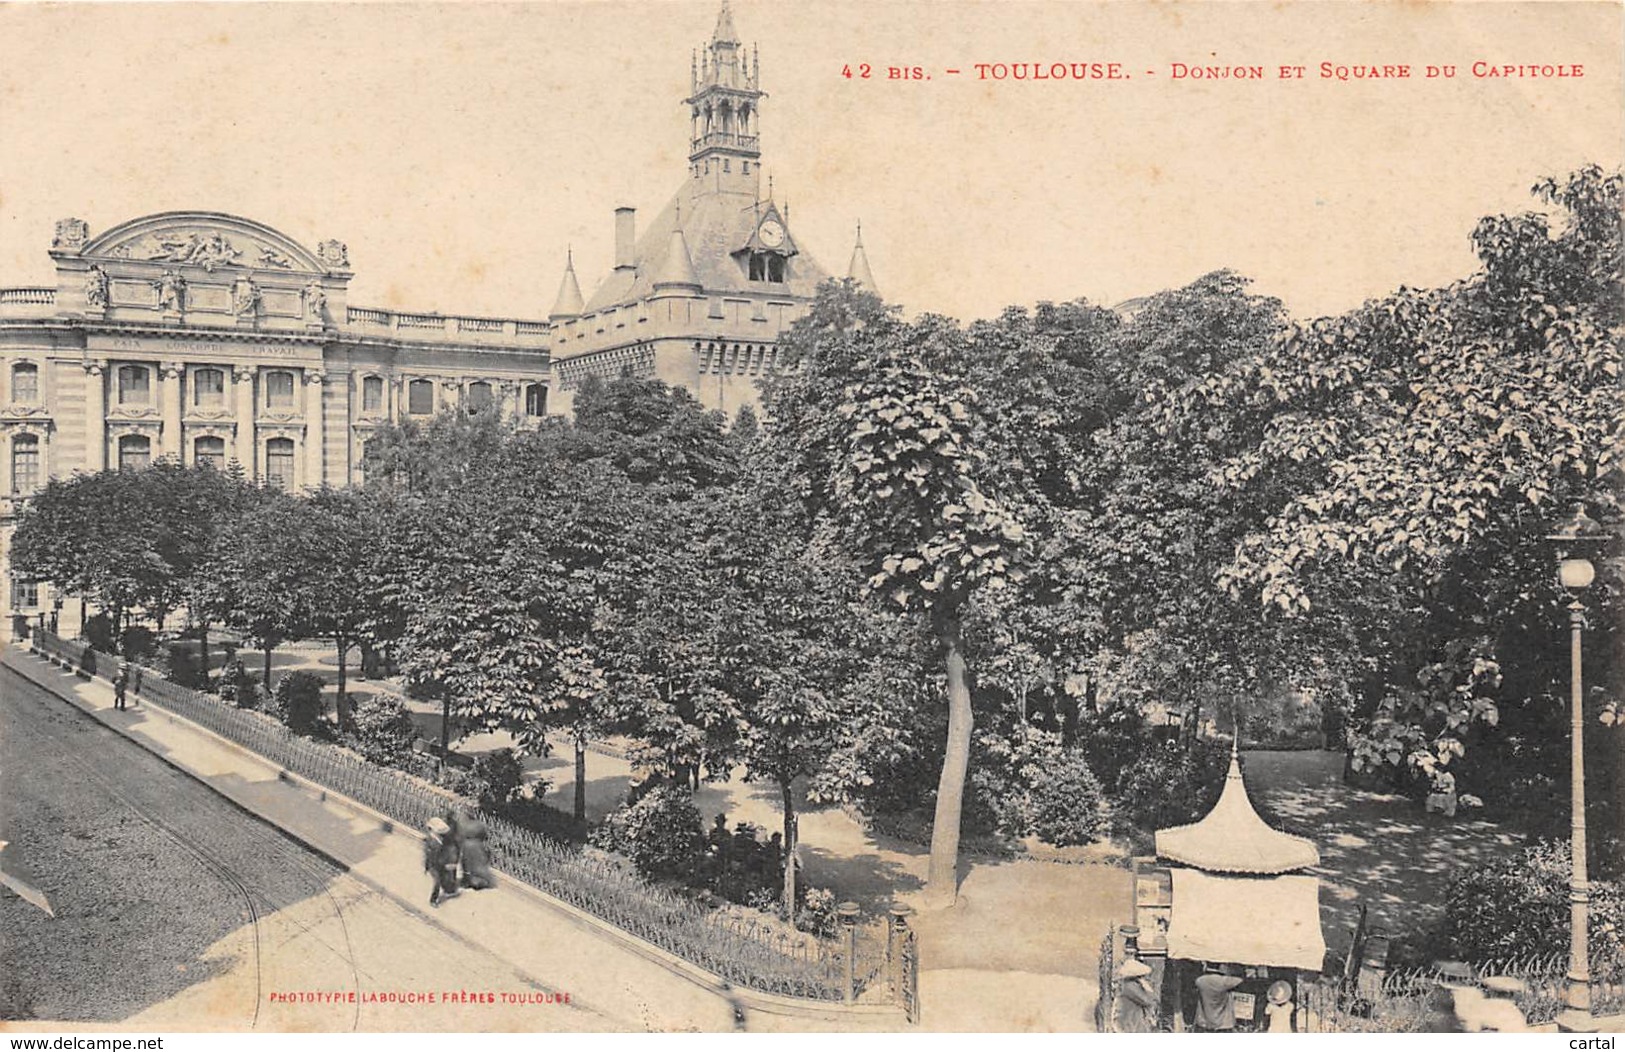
<point x="699" y="297"/>
<point x="210" y="338"/>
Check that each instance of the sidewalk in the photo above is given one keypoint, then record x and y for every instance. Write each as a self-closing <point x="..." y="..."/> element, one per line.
<point x="634" y="984"/>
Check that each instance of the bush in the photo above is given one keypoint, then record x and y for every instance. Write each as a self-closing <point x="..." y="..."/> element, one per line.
<point x="817" y="913"/>
<point x="503" y="776"/>
<point x="297" y="702"/>
<point x="1067" y="805"/>
<point x="1171" y="783"/>
<point x="236" y="685"/>
<point x="1519" y="906"/>
<point x="660" y="833"/>
<point x="138" y="642"/>
<point x="382" y="731"/>
<point x="98" y="632"/>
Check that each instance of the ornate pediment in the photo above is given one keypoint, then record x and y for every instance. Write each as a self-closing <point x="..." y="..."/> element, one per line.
<point x="210" y="241"/>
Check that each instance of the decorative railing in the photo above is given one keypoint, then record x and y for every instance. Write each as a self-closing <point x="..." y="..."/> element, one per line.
<point x="1408" y="1000"/>
<point x="34" y="297"/>
<point x="722" y="138"/>
<point x="752" y="955"/>
<point x="531" y="333"/>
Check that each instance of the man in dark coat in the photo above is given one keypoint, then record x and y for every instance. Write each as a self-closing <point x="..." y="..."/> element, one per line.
<point x="440" y="860"/>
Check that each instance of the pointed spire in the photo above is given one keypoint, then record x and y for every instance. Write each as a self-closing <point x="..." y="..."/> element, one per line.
<point x="858" y="269"/>
<point x="725" y="32"/>
<point x="677" y="270"/>
<point x="569" y="303"/>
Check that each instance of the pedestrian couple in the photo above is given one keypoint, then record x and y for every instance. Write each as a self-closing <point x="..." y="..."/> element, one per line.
<point x="456" y="841"/>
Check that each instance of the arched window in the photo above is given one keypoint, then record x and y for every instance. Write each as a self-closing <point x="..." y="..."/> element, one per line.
<point x="209" y="388"/>
<point x="25" y="384"/>
<point x="209" y="451"/>
<point x="479" y="396"/>
<point x="134" y="385"/>
<point x="420" y="398"/>
<point x="372" y="394"/>
<point x="24" y="464"/>
<point x="535" y="399"/>
<point x="279" y="463"/>
<point x="279" y="390"/>
<point x="134" y="452"/>
<point x="775" y="268"/>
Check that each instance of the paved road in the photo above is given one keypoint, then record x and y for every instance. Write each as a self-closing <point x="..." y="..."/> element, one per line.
<point x="176" y="908"/>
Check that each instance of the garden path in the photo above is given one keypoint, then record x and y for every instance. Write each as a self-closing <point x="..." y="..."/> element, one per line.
<point x="1016" y="952"/>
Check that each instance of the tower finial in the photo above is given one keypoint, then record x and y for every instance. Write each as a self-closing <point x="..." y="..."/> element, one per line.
<point x="725" y="26"/>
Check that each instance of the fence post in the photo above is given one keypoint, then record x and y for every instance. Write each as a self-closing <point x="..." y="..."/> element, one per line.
<point x="847" y="912"/>
<point x="894" y="946"/>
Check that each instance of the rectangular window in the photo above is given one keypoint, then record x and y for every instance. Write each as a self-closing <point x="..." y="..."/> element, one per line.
<point x="209" y="388"/>
<point x="134" y="385"/>
<point x="25" y="384"/>
<point x="209" y="452"/>
<point x="24" y="594"/>
<point x="420" y="398"/>
<point x="279" y="390"/>
<point x="134" y="452"/>
<point x="24" y="464"/>
<point x="372" y="394"/>
<point x="479" y="396"/>
<point x="279" y="463"/>
<point x="536" y="400"/>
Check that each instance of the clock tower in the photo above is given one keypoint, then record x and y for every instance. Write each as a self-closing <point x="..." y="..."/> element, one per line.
<point x="725" y="105"/>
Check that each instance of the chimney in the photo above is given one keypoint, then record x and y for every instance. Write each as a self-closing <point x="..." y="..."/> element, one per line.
<point x="626" y="229"/>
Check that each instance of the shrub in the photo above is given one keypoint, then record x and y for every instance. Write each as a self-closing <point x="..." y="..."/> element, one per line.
<point x="236" y="685"/>
<point x="138" y="642"/>
<point x="1519" y="906"/>
<point x="660" y="833"/>
<point x="98" y="632"/>
<point x="1170" y="782"/>
<point x="382" y="730"/>
<point x="1067" y="805"/>
<point x="503" y="776"/>
<point x="817" y="913"/>
<point x="297" y="701"/>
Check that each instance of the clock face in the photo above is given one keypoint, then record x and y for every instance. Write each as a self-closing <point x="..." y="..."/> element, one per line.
<point x="771" y="233"/>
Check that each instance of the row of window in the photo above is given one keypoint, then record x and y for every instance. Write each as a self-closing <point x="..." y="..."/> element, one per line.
<point x="135" y="453"/>
<point x="209" y="391"/>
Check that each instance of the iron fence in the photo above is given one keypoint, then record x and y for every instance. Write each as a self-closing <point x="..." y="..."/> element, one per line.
<point x="753" y="955"/>
<point x="1406" y="1000"/>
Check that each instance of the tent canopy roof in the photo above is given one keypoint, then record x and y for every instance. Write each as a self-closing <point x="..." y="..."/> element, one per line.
<point x="1231" y="838"/>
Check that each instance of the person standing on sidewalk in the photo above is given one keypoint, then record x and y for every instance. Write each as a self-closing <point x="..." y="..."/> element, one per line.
<point x="440" y="860"/>
<point x="121" y="686"/>
<point x="475" y="853"/>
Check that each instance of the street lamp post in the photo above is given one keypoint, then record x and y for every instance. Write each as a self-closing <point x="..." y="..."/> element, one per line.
<point x="1574" y="540"/>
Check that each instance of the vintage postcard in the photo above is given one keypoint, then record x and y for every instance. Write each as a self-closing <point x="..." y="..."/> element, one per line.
<point x="899" y="516"/>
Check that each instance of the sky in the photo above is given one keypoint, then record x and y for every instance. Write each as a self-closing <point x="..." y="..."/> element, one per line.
<point x="460" y="149"/>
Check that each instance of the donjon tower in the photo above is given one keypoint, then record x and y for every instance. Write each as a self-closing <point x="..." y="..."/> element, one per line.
<point x="700" y="296"/>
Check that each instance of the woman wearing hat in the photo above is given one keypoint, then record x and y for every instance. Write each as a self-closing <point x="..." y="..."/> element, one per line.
<point x="440" y="860"/>
<point x="1279" y="1008"/>
<point x="1136" y="1003"/>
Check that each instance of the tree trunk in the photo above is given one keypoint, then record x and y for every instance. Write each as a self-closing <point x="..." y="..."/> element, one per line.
<point x="343" y="643"/>
<point x="445" y="728"/>
<point x="581" y="782"/>
<point x="942" y="878"/>
<point x="203" y="651"/>
<point x="789" y="802"/>
<point x="267" y="665"/>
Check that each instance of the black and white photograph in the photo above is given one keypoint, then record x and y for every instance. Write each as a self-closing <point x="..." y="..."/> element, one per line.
<point x="885" y="518"/>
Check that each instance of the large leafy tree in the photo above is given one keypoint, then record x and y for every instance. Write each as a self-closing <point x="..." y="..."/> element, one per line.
<point x="266" y="582"/>
<point x="1436" y="436"/>
<point x="888" y="446"/>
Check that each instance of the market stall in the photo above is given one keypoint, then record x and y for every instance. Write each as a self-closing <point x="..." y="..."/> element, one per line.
<point x="1228" y="921"/>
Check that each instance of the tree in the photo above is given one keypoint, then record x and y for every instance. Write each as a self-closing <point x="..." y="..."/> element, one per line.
<point x="266" y="578"/>
<point x="888" y="446"/>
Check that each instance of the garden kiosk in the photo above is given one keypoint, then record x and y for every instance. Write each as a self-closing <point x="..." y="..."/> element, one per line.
<point x="1239" y="897"/>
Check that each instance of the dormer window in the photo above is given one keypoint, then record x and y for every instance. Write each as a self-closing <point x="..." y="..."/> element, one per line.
<point x="766" y="266"/>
